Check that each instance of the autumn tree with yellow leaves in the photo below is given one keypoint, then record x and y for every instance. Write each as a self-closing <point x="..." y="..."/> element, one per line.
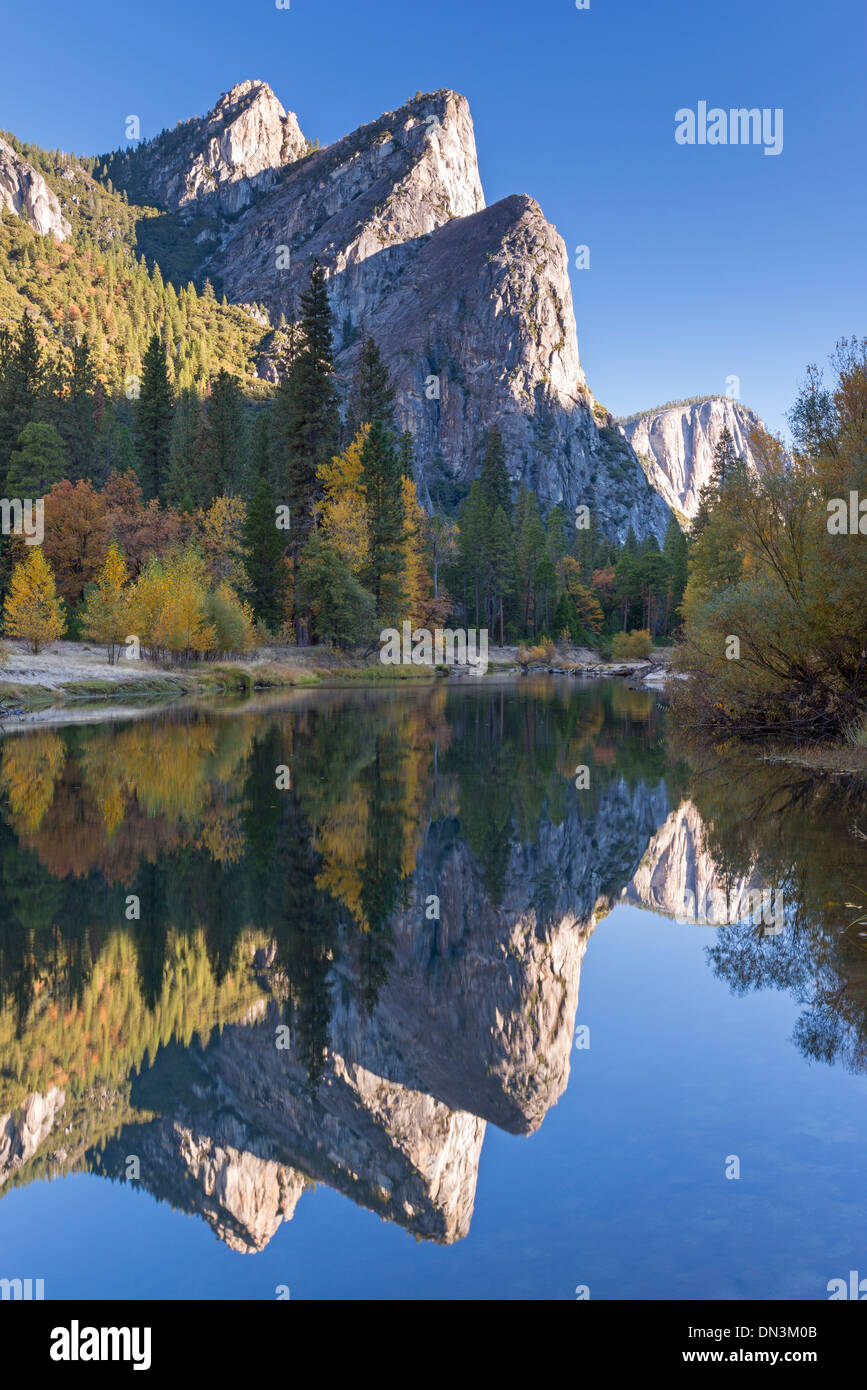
<point x="168" y="608"/>
<point x="105" y="617"/>
<point x="343" y="518"/>
<point x="770" y="567"/>
<point x="417" y="585"/>
<point x="179" y="618"/>
<point x="32" y="609"/>
<point x="219" y="531"/>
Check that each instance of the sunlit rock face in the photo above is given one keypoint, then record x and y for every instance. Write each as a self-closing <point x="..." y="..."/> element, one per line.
<point x="362" y="205"/>
<point x="247" y="1124"/>
<point x="225" y="158"/>
<point x="678" y="876"/>
<point x="677" y="446"/>
<point x="24" y="1130"/>
<point x="243" y="1198"/>
<point x="24" y="192"/>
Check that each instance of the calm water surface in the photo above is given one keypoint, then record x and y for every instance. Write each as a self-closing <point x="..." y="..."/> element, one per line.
<point x="358" y="994"/>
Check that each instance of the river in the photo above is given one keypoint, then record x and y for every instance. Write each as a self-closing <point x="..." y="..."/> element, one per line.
<point x="462" y="991"/>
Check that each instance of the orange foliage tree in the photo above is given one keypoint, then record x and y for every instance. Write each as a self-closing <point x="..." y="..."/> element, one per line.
<point x="75" y="540"/>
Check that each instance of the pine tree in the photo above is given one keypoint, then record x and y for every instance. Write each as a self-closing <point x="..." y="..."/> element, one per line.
<point x="373" y="392"/>
<point x="153" y="421"/>
<point x="494" y="476"/>
<point x="220" y="468"/>
<point x="263" y="563"/>
<point x="22" y="379"/>
<point x="725" y="463"/>
<point x="584" y="549"/>
<point x="406" y="455"/>
<point x="529" y="548"/>
<point x="545" y="588"/>
<point x="676" y="551"/>
<point x="38" y="463"/>
<point x="628" y="584"/>
<point x="261" y="459"/>
<point x="77" y="425"/>
<point x="724" y="459"/>
<point x="473" y="525"/>
<point x="306" y="422"/>
<point x="184" y="463"/>
<point x="120" y="447"/>
<point x="555" y="538"/>
<point x="342" y="610"/>
<point x="501" y="567"/>
<point x="383" y="498"/>
<point x="565" y="620"/>
<point x="654" y="576"/>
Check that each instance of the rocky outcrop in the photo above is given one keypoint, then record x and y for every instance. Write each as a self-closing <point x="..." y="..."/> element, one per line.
<point x="471" y="306"/>
<point x="677" y="443"/>
<point x="223" y="159"/>
<point x="23" y="1132"/>
<point x="24" y="192"/>
<point x="243" y="1198"/>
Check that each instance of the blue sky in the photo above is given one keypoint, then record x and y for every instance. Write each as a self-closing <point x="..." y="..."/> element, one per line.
<point x="705" y="262"/>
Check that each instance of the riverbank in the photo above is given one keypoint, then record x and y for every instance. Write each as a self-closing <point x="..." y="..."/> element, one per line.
<point x="70" y="675"/>
<point x="845" y="758"/>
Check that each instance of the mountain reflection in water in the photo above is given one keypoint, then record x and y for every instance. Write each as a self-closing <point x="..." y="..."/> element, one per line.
<point x="250" y="989"/>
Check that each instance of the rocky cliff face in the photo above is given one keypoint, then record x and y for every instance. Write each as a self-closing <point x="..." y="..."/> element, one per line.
<point x="24" y="192"/>
<point x="23" y="1132"/>
<point x="244" y="1198"/>
<point x="223" y="159"/>
<point x="679" y="878"/>
<point x="677" y="446"/>
<point x="471" y="306"/>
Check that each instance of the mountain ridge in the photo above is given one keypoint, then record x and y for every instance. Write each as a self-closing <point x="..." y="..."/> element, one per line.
<point x="471" y="305"/>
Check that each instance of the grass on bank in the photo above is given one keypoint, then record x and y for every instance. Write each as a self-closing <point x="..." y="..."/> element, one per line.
<point x="848" y="755"/>
<point x="204" y="680"/>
